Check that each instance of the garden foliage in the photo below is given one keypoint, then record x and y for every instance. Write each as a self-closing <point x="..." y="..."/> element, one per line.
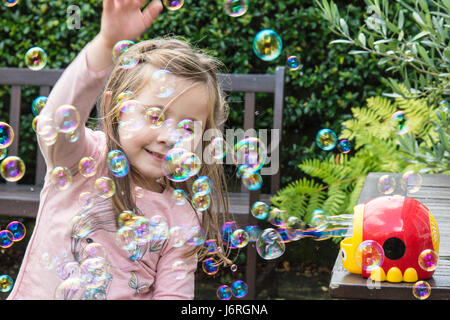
<point x="334" y="184"/>
<point x="317" y="96"/>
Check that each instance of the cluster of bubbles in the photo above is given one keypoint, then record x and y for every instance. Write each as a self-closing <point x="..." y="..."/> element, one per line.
<point x="326" y="139"/>
<point x="14" y="232"/>
<point x="369" y="256"/>
<point x="12" y="168"/>
<point x="410" y="182"/>
<point x="84" y="278"/>
<point x="238" y="289"/>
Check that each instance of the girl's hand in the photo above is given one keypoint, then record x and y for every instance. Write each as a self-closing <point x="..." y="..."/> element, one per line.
<point x="124" y="20"/>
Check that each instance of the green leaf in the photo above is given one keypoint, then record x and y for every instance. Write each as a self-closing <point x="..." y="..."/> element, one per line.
<point x="344" y="26"/>
<point x="342" y="41"/>
<point x="362" y="39"/>
<point x="358" y="52"/>
<point x="418" y="19"/>
<point x="401" y="19"/>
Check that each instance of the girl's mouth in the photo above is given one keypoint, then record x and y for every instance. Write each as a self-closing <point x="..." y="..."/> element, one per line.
<point x="155" y="155"/>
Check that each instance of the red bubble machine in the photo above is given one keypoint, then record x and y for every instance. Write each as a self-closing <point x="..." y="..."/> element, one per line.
<point x="394" y="239"/>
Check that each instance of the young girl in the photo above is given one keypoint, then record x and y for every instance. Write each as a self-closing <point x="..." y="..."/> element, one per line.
<point x="105" y="234"/>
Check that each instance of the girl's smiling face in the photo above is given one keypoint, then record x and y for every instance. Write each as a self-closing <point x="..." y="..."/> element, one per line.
<point x="146" y="145"/>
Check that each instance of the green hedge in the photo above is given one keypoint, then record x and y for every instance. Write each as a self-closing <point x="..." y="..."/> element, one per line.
<point x="332" y="81"/>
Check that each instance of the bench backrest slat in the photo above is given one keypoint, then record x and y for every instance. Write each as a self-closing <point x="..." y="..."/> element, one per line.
<point x="247" y="83"/>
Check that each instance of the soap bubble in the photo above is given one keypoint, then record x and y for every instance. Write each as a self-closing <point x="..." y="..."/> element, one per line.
<point x="125" y="238"/>
<point x="267" y="45"/>
<point x="125" y="218"/>
<point x="369" y="255"/>
<point x="399" y="122"/>
<point x="67" y="118"/>
<point x="61" y="177"/>
<point x="411" y="181"/>
<point x="17" y="229"/>
<point x="386" y="184"/>
<point x="278" y="217"/>
<point x="6" y="283"/>
<point x="87" y="166"/>
<point x="260" y="210"/>
<point x="269" y="244"/>
<point x="239" y="289"/>
<point x="6" y="239"/>
<point x="196" y="236"/>
<point x="409" y="55"/>
<point x="69" y="289"/>
<point x="94" y="250"/>
<point x="252" y="181"/>
<point x="38" y="104"/>
<point x="239" y="238"/>
<point x="428" y="260"/>
<point x="233" y="267"/>
<point x="344" y="146"/>
<point x="293" y="63"/>
<point x="211" y="246"/>
<point x="155" y="117"/>
<point x="121" y="47"/>
<point x="179" y="196"/>
<point x="36" y="58"/>
<point x="70" y="269"/>
<point x="326" y="139"/>
<point x="3" y="153"/>
<point x="250" y="152"/>
<point x="185" y="129"/>
<point x="421" y="290"/>
<point x="105" y="187"/>
<point x="46" y="129"/>
<point x="173" y="5"/>
<point x="12" y="169"/>
<point x="141" y="228"/>
<point x="10" y="3"/>
<point x="202" y="185"/>
<point x="125" y="95"/>
<point x="210" y="266"/>
<point x="217" y="148"/>
<point x="180" y="269"/>
<point x="86" y="199"/>
<point x="224" y="292"/>
<point x="179" y="164"/>
<point x="6" y="135"/>
<point x="131" y="116"/>
<point x="178" y="235"/>
<point x="235" y="8"/>
<point x="162" y="83"/>
<point x="94" y="272"/>
<point x="253" y="232"/>
<point x="227" y="230"/>
<point x="201" y="202"/>
<point x="117" y="162"/>
<point x="443" y="105"/>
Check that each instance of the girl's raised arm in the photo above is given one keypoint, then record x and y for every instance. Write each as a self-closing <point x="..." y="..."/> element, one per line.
<point x="83" y="80"/>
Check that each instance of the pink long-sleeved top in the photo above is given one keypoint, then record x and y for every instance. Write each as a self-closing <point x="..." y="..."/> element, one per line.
<point x="73" y="252"/>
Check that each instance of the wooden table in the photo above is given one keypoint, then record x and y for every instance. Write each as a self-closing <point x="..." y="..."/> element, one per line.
<point x="435" y="195"/>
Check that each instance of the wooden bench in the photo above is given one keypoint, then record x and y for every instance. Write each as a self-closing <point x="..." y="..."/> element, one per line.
<point x="435" y="195"/>
<point x="23" y="200"/>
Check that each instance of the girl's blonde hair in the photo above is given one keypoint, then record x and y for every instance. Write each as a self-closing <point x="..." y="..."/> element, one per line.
<point x="185" y="61"/>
